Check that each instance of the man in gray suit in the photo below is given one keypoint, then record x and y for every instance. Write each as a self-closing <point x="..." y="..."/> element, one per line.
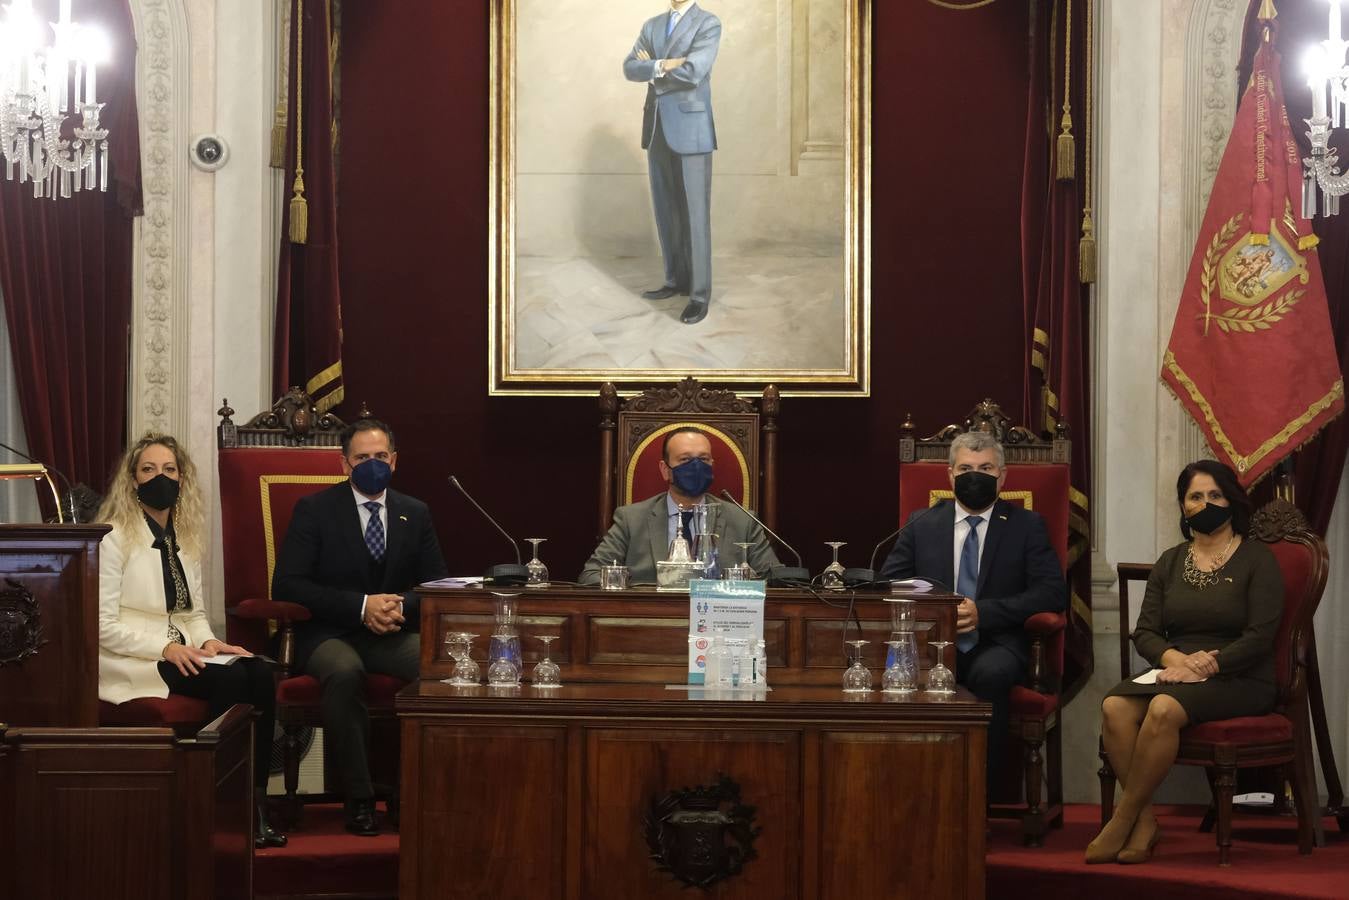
<point x="642" y="532"/>
<point x="674" y="55"/>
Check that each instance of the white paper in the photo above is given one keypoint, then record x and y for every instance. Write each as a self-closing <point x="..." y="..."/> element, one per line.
<point x="912" y="585"/>
<point x="458" y="582"/>
<point x="221" y="659"/>
<point x="1148" y="677"/>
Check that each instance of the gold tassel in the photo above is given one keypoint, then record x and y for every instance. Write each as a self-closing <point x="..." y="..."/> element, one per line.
<point x="1307" y="241"/>
<point x="1067" y="152"/>
<point x="299" y="213"/>
<point x="278" y="160"/>
<point x="1086" y="251"/>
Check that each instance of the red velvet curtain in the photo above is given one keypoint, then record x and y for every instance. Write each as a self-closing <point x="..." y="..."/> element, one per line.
<point x="1053" y="296"/>
<point x="66" y="278"/>
<point x="1319" y="465"/>
<point x="308" y="348"/>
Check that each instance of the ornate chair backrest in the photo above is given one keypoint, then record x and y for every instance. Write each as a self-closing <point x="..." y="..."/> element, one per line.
<point x="1038" y="478"/>
<point x="743" y="435"/>
<point x="265" y="466"/>
<point x="1305" y="563"/>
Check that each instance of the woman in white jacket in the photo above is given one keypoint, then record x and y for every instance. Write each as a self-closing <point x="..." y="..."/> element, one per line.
<point x="153" y="634"/>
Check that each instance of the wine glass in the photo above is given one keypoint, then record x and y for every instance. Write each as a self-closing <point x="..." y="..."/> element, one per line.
<point x="832" y="576"/>
<point x="857" y="680"/>
<point x="741" y="571"/>
<point x="901" y="675"/>
<point x="940" y="680"/>
<point x="505" y="655"/>
<point x="538" y="572"/>
<point x="547" y="674"/>
<point x="460" y="647"/>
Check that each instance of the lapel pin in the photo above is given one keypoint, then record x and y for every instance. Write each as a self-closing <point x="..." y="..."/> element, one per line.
<point x="403" y="518"/>
<point x="1004" y="518"/>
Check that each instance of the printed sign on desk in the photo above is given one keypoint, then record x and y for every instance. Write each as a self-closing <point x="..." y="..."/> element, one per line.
<point x="733" y="608"/>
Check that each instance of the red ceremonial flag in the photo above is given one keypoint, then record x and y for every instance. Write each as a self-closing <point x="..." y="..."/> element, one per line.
<point x="1251" y="355"/>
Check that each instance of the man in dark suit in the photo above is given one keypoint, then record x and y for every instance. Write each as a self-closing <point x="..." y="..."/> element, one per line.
<point x="998" y="556"/>
<point x="352" y="556"/>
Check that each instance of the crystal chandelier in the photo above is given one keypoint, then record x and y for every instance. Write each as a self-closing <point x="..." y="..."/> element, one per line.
<point x="49" y="109"/>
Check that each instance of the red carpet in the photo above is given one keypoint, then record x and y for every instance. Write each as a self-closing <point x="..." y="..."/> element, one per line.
<point x="324" y="859"/>
<point x="1265" y="862"/>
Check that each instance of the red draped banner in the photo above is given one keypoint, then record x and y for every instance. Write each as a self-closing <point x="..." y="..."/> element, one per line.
<point x="1251" y="356"/>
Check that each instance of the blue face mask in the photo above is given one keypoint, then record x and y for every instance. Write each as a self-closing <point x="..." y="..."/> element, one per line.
<point x="693" y="478"/>
<point x="371" y="477"/>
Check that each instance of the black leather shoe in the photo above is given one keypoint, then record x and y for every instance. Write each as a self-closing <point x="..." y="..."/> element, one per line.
<point x="663" y="293"/>
<point x="694" y="312"/>
<point x="360" y="818"/>
<point x="265" y="835"/>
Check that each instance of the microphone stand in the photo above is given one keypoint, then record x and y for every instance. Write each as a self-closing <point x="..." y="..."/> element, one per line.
<point x="778" y="576"/>
<point x="503" y="574"/>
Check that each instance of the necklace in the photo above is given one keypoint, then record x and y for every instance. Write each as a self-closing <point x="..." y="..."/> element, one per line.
<point x="1200" y="578"/>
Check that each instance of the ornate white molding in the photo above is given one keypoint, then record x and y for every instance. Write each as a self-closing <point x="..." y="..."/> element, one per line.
<point x="159" y="322"/>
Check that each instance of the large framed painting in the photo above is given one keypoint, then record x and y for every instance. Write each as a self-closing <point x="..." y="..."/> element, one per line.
<point x="680" y="188"/>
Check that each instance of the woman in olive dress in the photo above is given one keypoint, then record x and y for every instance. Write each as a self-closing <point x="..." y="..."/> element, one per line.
<point x="1208" y="622"/>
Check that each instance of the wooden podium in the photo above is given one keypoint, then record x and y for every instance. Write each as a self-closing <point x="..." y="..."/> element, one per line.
<point x="592" y="790"/>
<point x="49" y="624"/>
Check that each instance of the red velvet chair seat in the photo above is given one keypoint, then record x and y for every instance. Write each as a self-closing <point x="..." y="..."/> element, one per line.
<point x="1026" y="702"/>
<point x="1245" y="730"/>
<point x="303" y="690"/>
<point x="151" y="712"/>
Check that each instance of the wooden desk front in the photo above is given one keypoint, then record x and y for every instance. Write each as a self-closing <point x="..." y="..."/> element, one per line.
<point x="530" y="793"/>
<point x="641" y="635"/>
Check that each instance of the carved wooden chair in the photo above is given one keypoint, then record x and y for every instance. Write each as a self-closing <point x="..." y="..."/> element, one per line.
<point x="743" y="434"/>
<point x="1038" y="479"/>
<point x="266" y="465"/>
<point x="1281" y="739"/>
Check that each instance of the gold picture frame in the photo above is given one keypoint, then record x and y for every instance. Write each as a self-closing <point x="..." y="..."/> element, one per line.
<point x="571" y="203"/>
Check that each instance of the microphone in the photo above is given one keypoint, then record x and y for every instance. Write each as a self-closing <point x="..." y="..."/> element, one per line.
<point x="859" y="577"/>
<point x="778" y="576"/>
<point x="70" y="492"/>
<point x="505" y="573"/>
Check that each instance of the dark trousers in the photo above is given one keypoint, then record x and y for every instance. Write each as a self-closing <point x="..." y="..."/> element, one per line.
<point x="340" y="664"/>
<point x="990" y="670"/>
<point x="243" y="681"/>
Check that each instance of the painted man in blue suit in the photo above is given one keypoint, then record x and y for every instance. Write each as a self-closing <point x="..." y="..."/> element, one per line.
<point x="998" y="556"/>
<point x="674" y="55"/>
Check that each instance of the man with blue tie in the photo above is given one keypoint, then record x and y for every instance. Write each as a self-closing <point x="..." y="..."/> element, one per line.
<point x="353" y="555"/>
<point x="998" y="557"/>
<point x="673" y="56"/>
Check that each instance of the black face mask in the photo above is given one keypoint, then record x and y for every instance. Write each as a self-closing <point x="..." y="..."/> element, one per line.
<point x="1209" y="519"/>
<point x="160" y="492"/>
<point x="976" y="490"/>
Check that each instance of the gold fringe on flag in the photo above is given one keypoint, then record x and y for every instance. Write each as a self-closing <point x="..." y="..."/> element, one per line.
<point x="1066" y="152"/>
<point x="299" y="206"/>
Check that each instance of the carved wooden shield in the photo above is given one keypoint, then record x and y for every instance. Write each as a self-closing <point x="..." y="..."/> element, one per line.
<point x="20" y="623"/>
<point x="701" y="835"/>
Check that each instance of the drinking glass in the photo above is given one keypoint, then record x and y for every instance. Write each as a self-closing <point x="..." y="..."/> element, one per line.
<point x="940" y="680"/>
<point x="832" y="576"/>
<point x="901" y="675"/>
<point x="857" y="680"/>
<point x="460" y="647"/>
<point x="538" y="572"/>
<point x="547" y="674"/>
<point x="505" y="655"/>
<point x="705" y="552"/>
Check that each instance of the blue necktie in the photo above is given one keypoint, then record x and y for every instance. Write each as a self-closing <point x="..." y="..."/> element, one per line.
<point x="685" y="517"/>
<point x="670" y="26"/>
<point x="374" y="532"/>
<point x="967" y="580"/>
